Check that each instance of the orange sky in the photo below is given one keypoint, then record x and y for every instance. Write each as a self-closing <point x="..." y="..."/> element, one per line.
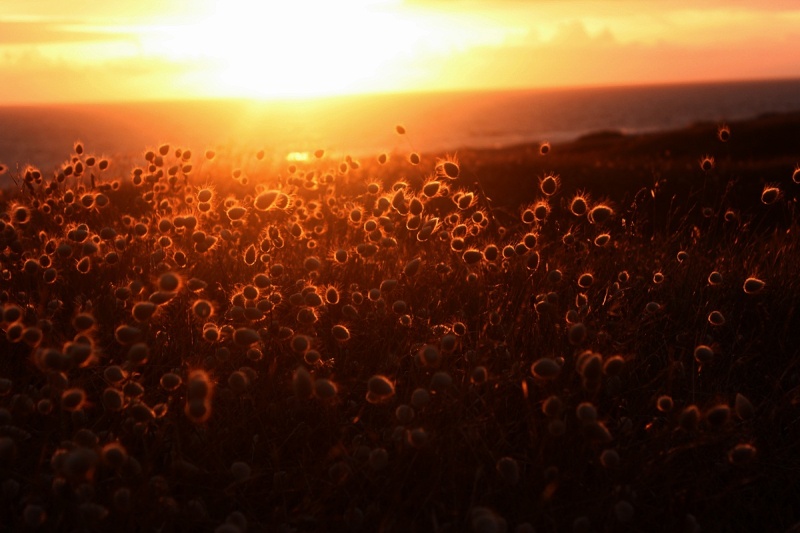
<point x="111" y="50"/>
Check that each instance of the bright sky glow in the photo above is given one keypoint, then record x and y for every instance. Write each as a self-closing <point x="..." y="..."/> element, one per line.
<point x="93" y="50"/>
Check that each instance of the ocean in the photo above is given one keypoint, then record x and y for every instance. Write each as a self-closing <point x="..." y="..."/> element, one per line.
<point x="365" y="125"/>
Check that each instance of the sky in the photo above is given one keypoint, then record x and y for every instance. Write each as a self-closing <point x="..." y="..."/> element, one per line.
<point x="53" y="51"/>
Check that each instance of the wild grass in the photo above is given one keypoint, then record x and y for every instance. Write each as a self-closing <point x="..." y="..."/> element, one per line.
<point x="238" y="345"/>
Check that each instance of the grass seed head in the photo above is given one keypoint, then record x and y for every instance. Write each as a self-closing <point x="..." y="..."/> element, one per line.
<point x="753" y="285"/>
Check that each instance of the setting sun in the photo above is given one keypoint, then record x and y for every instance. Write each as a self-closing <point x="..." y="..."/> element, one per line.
<point x="315" y="48"/>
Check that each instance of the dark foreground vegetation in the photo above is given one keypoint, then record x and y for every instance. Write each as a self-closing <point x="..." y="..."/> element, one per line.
<point x="599" y="336"/>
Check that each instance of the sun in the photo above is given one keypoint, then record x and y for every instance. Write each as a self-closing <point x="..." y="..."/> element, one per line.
<point x="299" y="48"/>
<point x="272" y="49"/>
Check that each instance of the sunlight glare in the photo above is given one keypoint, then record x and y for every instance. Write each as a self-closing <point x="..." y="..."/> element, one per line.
<point x="315" y="48"/>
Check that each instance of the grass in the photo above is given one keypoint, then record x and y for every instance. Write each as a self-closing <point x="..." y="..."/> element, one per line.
<point x="408" y="343"/>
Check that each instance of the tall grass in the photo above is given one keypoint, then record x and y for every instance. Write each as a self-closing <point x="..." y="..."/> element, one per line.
<point x="202" y="343"/>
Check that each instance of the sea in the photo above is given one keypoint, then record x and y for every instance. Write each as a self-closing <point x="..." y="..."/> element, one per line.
<point x="365" y="125"/>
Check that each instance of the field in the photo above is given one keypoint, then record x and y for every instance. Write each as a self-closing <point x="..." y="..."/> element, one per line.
<point x="594" y="336"/>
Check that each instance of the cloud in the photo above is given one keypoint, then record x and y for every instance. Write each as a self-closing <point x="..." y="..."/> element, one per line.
<point x="30" y="32"/>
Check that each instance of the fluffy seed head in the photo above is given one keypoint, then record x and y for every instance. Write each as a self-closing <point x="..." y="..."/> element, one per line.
<point x="742" y="454"/>
<point x="703" y="353"/>
<point x="379" y="389"/>
<point x="579" y="205"/>
<point x="600" y="213"/>
<point x="753" y="285"/>
<point x="545" y="368"/>
<point x="325" y="389"/>
<point x="770" y="194"/>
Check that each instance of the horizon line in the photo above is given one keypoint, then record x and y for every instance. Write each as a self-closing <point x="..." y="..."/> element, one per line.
<point x="345" y="96"/>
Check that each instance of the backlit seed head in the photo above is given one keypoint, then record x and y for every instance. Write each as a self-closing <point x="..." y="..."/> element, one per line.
<point x="20" y="215"/>
<point x="170" y="381"/>
<point x="623" y="511"/>
<point x="527" y="216"/>
<point x="236" y="213"/>
<point x="325" y="389"/>
<point x="753" y="285"/>
<point x="549" y="184"/>
<point x="472" y="256"/>
<point x="586" y="412"/>
<point x="73" y="399"/>
<point x="703" y="353"/>
<point x="613" y="365"/>
<point x="266" y="200"/>
<point x="199" y="385"/>
<point x="84" y="265"/>
<point x="600" y="214"/>
<point x="796" y="175"/>
<point x="302" y="383"/>
<point x="127" y="334"/>
<point x="532" y="261"/>
<point x="142" y="311"/>
<point x="202" y="309"/>
<point x="441" y="381"/>
<point x="609" y="458"/>
<point x="301" y="344"/>
<point x="378" y="459"/>
<point x="508" y="468"/>
<point x="577" y="333"/>
<point x="664" y="403"/>
<point x="742" y="454"/>
<point x="652" y="307"/>
<point x="420" y="398"/>
<point x="552" y="406"/>
<point x="590" y="365"/>
<point x="428" y="356"/>
<point x="770" y="194"/>
<point x="114" y="455"/>
<point x="138" y="353"/>
<point x="340" y="333"/>
<point x="724" y="133"/>
<point x="239" y="381"/>
<point x="540" y="210"/>
<point x="169" y="281"/>
<point x="579" y="205"/>
<point x="418" y="437"/>
<point x="718" y="415"/>
<point x="479" y="375"/>
<point x="545" y="368"/>
<point x="602" y="240"/>
<point x="544" y="148"/>
<point x="448" y="169"/>
<point x="113" y="399"/>
<point x="379" y="389"/>
<point x="241" y="471"/>
<point x="715" y="278"/>
<point x="198" y="410"/>
<point x="244" y="337"/>
<point x="707" y="163"/>
<point x="585" y="280"/>
<point x="715" y="318"/>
